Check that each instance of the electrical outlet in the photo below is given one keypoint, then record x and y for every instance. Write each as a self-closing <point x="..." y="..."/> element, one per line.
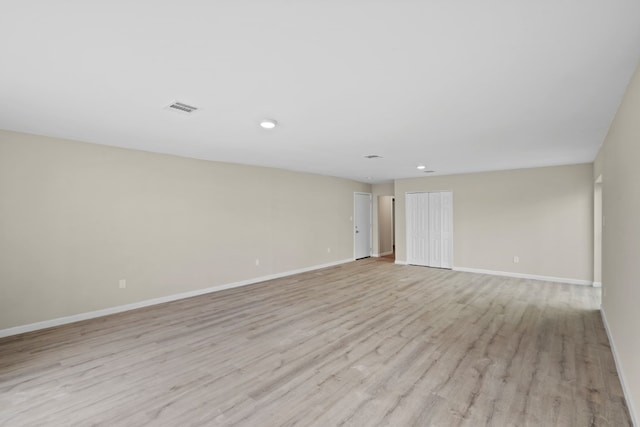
<point x="516" y="259"/>
<point x="257" y="261"/>
<point x="328" y="250"/>
<point x="122" y="283"/>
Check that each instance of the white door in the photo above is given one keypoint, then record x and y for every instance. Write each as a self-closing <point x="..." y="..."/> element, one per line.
<point x="361" y="225"/>
<point x="435" y="230"/>
<point x="417" y="228"/>
<point x="430" y="229"/>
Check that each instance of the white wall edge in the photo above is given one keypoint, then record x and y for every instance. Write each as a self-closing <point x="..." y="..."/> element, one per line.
<point x="597" y="284"/>
<point x="154" y="301"/>
<point x="526" y="276"/>
<point x="376" y="255"/>
<point x="625" y="390"/>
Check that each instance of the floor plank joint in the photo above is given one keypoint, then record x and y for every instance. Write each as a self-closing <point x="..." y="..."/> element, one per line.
<point x="367" y="343"/>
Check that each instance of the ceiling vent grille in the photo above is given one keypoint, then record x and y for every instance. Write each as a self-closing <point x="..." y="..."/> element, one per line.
<point x="372" y="156"/>
<point x="182" y="107"/>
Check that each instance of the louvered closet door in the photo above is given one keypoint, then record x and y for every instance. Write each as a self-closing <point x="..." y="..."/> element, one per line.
<point x="435" y="230"/>
<point x="417" y="228"/>
<point x="430" y="229"/>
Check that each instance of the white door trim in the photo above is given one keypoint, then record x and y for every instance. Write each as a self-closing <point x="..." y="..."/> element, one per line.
<point x="435" y="210"/>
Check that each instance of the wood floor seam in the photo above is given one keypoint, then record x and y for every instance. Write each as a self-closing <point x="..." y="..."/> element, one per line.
<point x="367" y="343"/>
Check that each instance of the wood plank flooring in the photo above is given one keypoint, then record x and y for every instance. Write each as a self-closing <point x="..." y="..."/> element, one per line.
<point x="367" y="343"/>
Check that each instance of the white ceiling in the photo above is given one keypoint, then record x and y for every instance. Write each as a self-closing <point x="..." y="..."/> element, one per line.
<point x="459" y="86"/>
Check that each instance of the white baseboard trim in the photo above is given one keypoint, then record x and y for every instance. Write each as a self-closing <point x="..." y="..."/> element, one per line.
<point x="140" y="304"/>
<point x="526" y="276"/>
<point x="597" y="284"/>
<point x="383" y="254"/>
<point x="625" y="390"/>
<point x="386" y="253"/>
<point x="400" y="262"/>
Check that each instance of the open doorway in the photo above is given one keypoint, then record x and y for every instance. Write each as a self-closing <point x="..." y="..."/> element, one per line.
<point x="386" y="226"/>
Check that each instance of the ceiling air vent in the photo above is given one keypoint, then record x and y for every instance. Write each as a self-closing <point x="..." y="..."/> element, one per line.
<point x="372" y="156"/>
<point x="181" y="107"/>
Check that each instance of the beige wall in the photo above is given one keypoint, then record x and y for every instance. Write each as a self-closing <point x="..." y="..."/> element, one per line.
<point x="597" y="233"/>
<point x="378" y="190"/>
<point x="75" y="218"/>
<point x="598" y="165"/>
<point x="619" y="158"/>
<point x="542" y="215"/>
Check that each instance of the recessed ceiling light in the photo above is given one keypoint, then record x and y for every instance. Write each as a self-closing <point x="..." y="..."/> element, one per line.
<point x="421" y="167"/>
<point x="268" y="124"/>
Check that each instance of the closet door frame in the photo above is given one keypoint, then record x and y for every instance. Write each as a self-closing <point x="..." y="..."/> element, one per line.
<point x="429" y="228"/>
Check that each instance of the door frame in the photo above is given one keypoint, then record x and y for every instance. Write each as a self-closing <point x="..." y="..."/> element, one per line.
<point x="451" y="224"/>
<point x="353" y="222"/>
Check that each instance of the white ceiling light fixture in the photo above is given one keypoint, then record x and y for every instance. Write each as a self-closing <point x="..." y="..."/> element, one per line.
<point x="421" y="167"/>
<point x="268" y="124"/>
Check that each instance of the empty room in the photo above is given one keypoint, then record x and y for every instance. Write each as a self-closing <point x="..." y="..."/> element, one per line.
<point x="276" y="213"/>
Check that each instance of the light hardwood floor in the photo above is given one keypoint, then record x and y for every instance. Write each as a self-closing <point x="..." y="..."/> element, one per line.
<point x="363" y="344"/>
